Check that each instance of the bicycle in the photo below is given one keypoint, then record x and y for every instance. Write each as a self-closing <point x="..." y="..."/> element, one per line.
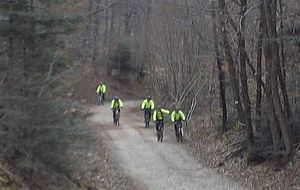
<point x="116" y="117"/>
<point x="179" y="131"/>
<point x="147" y="116"/>
<point x="160" y="131"/>
<point x="101" y="98"/>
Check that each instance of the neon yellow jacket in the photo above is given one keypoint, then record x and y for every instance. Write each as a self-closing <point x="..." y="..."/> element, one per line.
<point x="177" y="116"/>
<point x="160" y="114"/>
<point x="116" y="104"/>
<point x="101" y="88"/>
<point x="147" y="104"/>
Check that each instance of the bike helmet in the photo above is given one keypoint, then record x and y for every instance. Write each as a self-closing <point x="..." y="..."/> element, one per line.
<point x="115" y="97"/>
<point x="149" y="97"/>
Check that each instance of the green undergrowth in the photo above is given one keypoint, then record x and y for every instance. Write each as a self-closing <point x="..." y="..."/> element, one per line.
<point x="37" y="139"/>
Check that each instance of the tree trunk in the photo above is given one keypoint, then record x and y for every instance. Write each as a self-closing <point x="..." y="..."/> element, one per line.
<point x="286" y="102"/>
<point x="111" y="32"/>
<point x="10" y="39"/>
<point x="274" y="124"/>
<point x="106" y="30"/>
<point x="231" y="69"/>
<point x="259" y="75"/>
<point x="90" y="26"/>
<point x="221" y="72"/>
<point x="270" y="7"/>
<point x="96" y="35"/>
<point x="243" y="77"/>
<point x="282" y="71"/>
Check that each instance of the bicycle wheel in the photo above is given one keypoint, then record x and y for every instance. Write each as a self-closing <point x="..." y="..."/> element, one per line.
<point x="180" y="135"/>
<point x="101" y="99"/>
<point x="176" y="132"/>
<point x="115" y="113"/>
<point x="161" y="133"/>
<point x="118" y="118"/>
<point x="147" y="120"/>
<point x="114" y="119"/>
<point x="160" y="128"/>
<point x="158" y="134"/>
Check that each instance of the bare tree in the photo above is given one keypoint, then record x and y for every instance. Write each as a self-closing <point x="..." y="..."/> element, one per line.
<point x="220" y="65"/>
<point x="273" y="63"/>
<point x="243" y="76"/>
<point x="230" y="61"/>
<point x="95" y="34"/>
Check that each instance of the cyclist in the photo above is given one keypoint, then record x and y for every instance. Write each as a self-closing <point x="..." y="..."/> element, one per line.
<point x="116" y="105"/>
<point x="101" y="90"/>
<point x="158" y="116"/>
<point x="147" y="106"/>
<point x="177" y="116"/>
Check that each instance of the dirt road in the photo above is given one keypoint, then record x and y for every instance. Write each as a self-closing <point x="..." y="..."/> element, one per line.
<point x="151" y="164"/>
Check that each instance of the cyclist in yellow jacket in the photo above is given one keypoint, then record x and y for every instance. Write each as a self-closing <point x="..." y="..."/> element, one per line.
<point x="101" y="90"/>
<point x="147" y="106"/>
<point x="116" y="105"/>
<point x="177" y="116"/>
<point x="159" y="115"/>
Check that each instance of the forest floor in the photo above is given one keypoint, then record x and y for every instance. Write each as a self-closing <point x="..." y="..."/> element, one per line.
<point x="211" y="149"/>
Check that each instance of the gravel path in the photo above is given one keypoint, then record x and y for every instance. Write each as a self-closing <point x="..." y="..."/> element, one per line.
<point x="149" y="163"/>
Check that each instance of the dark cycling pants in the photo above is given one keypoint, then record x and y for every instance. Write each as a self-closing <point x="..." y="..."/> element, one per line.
<point x="159" y="122"/>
